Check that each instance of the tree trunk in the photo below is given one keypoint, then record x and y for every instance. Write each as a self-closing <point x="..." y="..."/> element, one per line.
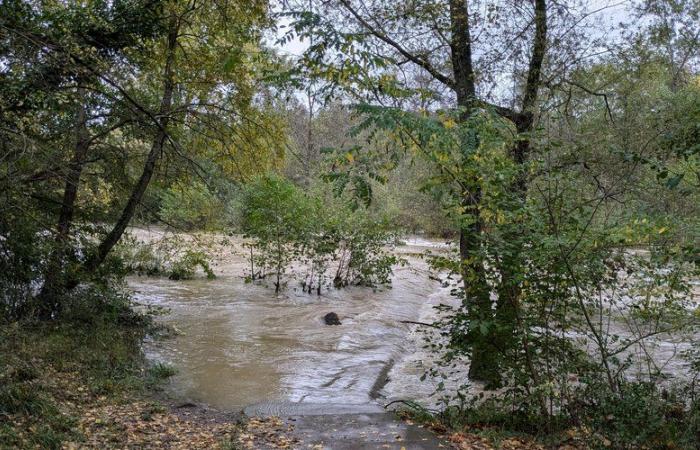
<point x="511" y="265"/>
<point x="477" y="302"/>
<point x="49" y="299"/>
<point x="151" y="159"/>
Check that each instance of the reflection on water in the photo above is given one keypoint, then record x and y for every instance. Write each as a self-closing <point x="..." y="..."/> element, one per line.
<point x="239" y="344"/>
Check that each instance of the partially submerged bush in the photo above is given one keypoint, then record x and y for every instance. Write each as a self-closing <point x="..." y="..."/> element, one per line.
<point x="276" y="215"/>
<point x="170" y="255"/>
<point x="361" y="256"/>
<point x="291" y="228"/>
<point x="185" y="267"/>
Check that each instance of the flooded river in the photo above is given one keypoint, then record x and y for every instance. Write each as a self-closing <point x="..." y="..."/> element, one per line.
<point x="239" y="344"/>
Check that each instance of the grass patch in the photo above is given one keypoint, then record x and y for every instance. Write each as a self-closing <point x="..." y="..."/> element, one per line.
<point x="157" y="374"/>
<point x="49" y="372"/>
<point x="160" y="371"/>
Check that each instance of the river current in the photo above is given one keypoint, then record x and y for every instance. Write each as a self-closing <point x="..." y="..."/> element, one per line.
<point x="239" y="344"/>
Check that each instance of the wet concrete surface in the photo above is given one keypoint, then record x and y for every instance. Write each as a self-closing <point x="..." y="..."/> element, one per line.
<point x="361" y="431"/>
<point x="282" y="409"/>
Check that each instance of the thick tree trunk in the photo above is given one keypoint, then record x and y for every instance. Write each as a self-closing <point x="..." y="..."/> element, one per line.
<point x="477" y="301"/>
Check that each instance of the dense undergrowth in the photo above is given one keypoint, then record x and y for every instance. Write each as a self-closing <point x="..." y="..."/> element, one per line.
<point x="51" y="372"/>
<point x="169" y="256"/>
<point x="640" y="416"/>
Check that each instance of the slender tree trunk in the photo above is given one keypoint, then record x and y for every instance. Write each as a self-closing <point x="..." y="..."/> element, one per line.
<point x="278" y="268"/>
<point x="151" y="159"/>
<point x="252" y="264"/>
<point x="511" y="270"/>
<point x="75" y="169"/>
<point x="49" y="299"/>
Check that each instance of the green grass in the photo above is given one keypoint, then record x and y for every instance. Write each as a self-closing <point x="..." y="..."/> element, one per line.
<point x="49" y="371"/>
<point x="157" y="374"/>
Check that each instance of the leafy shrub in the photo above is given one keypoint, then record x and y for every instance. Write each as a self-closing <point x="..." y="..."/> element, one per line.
<point x="640" y="414"/>
<point x="185" y="267"/>
<point x="361" y="256"/>
<point x="24" y="248"/>
<point x="289" y="227"/>
<point x="171" y="255"/>
<point x="275" y="214"/>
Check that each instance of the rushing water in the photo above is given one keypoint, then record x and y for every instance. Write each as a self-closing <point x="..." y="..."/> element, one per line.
<point x="238" y="344"/>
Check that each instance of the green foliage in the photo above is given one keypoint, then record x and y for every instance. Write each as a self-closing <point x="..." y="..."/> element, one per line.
<point x="361" y="258"/>
<point x="554" y="293"/>
<point x="157" y="373"/>
<point x="94" y="351"/>
<point x="23" y="250"/>
<point x="185" y="267"/>
<point x="290" y="228"/>
<point x="642" y="415"/>
<point x="161" y="371"/>
<point x="101" y="100"/>
<point x="191" y="207"/>
<point x="275" y="214"/>
<point x="171" y="255"/>
<point x="645" y="416"/>
<point x="273" y="209"/>
<point x="134" y="257"/>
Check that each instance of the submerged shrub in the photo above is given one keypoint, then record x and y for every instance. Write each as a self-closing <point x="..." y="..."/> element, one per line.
<point x="171" y="255"/>
<point x="334" y="243"/>
<point x="186" y="267"/>
<point x="362" y="250"/>
<point x="275" y="214"/>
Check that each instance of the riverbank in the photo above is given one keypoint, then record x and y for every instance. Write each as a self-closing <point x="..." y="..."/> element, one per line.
<point x="70" y="386"/>
<point x="85" y="382"/>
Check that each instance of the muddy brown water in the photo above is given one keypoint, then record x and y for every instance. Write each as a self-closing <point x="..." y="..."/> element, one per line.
<point x="241" y="346"/>
<point x="238" y="344"/>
